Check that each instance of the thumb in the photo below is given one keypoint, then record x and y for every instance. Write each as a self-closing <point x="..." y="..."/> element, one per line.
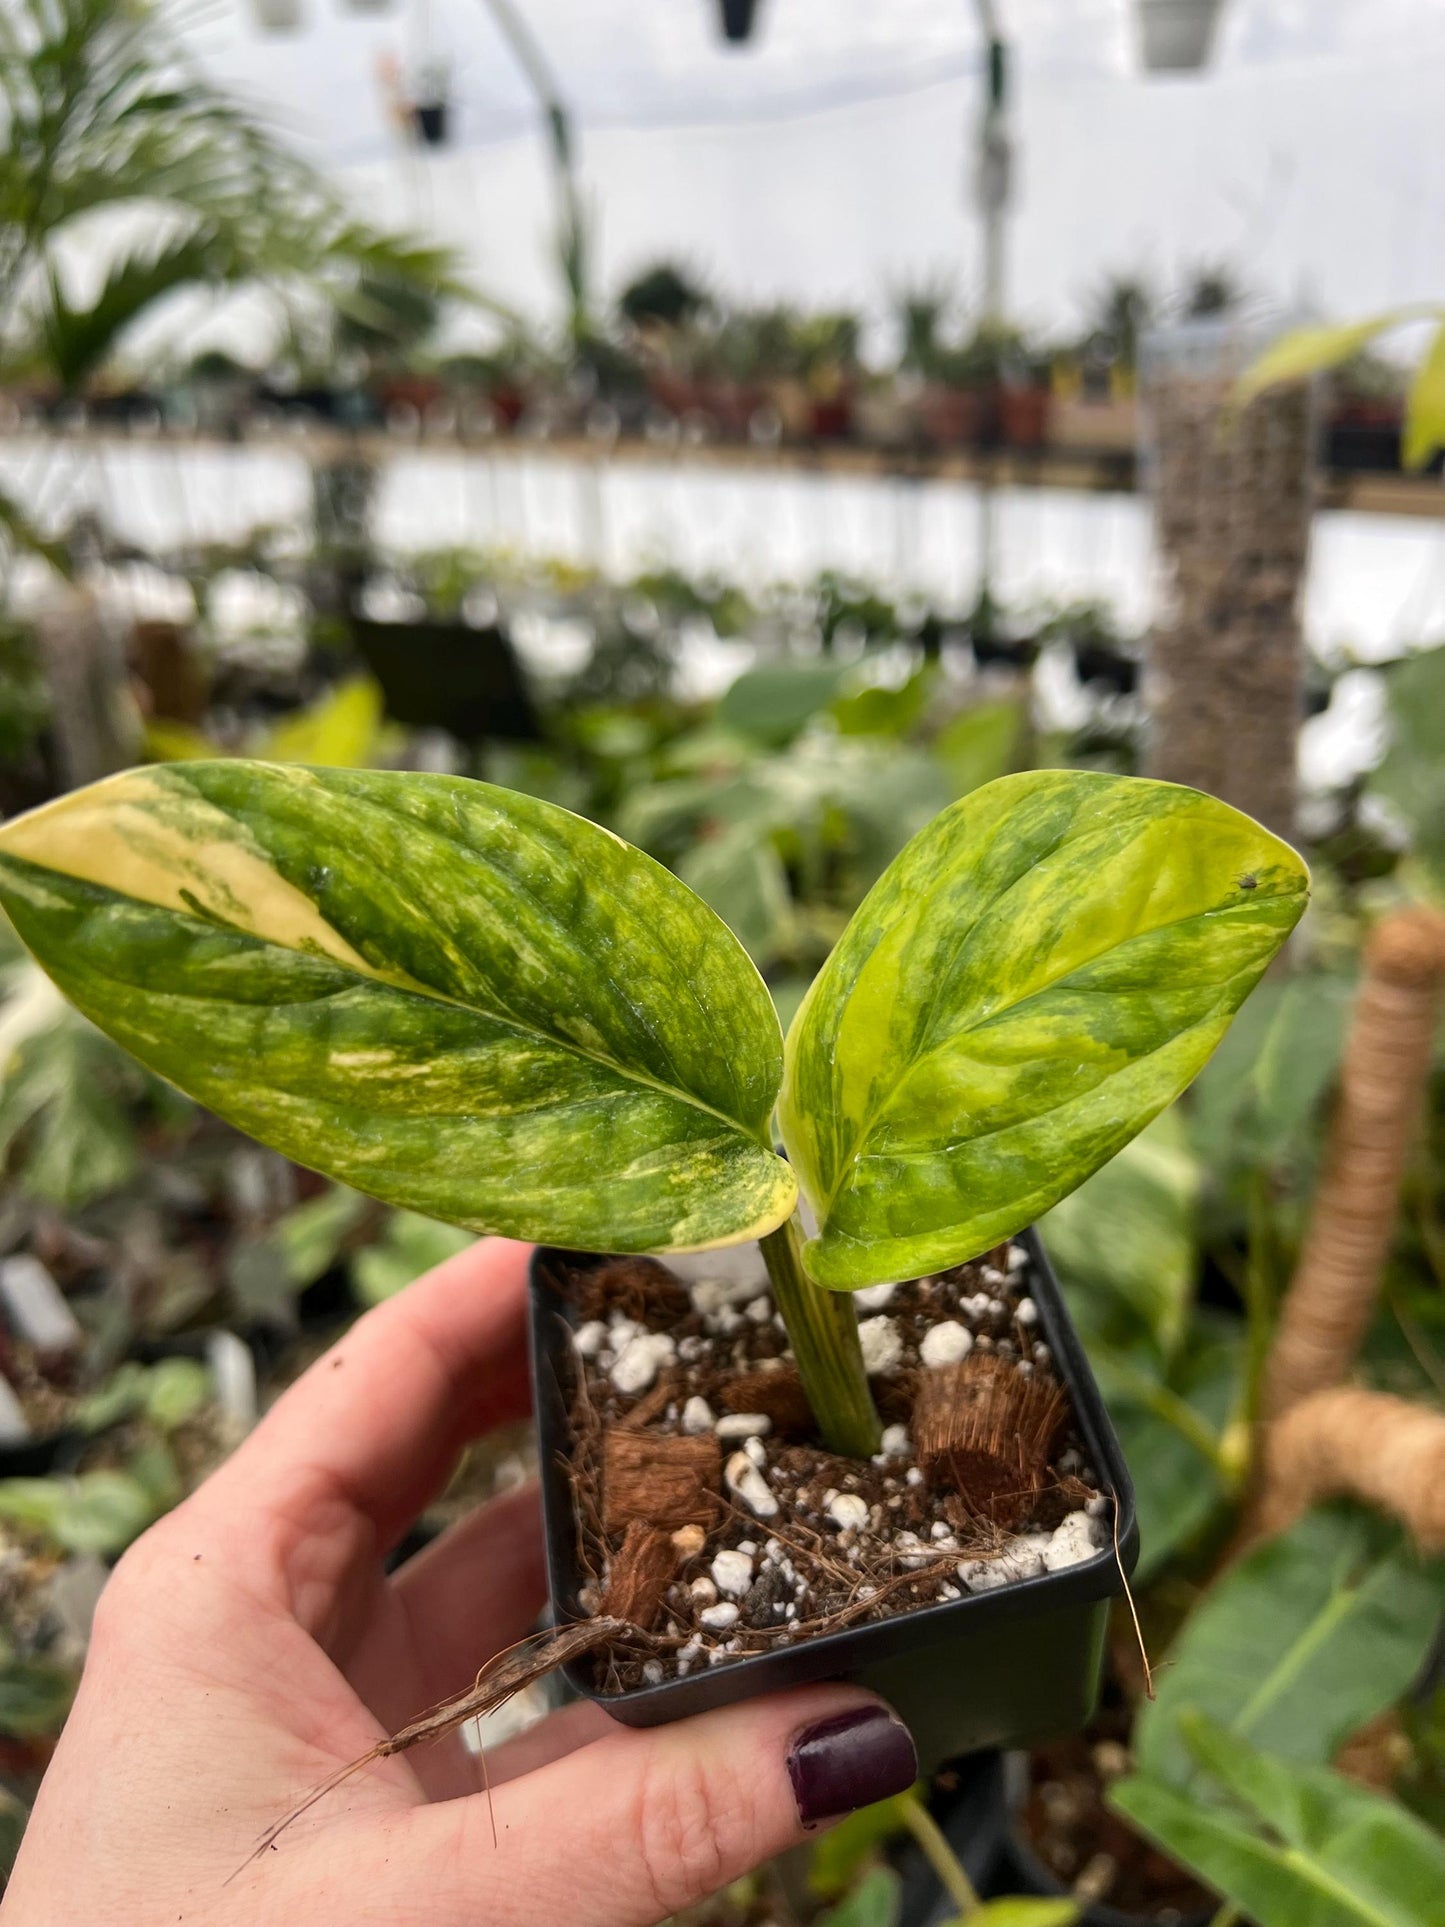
<point x="641" y="1824"/>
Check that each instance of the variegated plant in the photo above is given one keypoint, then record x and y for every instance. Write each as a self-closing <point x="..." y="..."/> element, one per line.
<point x="476" y="1005"/>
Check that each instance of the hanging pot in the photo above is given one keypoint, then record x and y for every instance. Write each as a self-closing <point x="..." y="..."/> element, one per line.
<point x="278" y="16"/>
<point x="737" y="20"/>
<point x="1177" y="36"/>
<point x="429" y="117"/>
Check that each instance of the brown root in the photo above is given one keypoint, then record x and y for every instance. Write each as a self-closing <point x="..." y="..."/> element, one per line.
<point x="1386" y="1064"/>
<point x="499" y="1680"/>
<point x="1357" y="1444"/>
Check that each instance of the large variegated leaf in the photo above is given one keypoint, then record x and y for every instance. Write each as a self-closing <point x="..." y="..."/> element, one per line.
<point x="1038" y="974"/>
<point x="460" y="1000"/>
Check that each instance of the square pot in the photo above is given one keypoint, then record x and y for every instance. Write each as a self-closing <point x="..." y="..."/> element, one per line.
<point x="1004" y="1668"/>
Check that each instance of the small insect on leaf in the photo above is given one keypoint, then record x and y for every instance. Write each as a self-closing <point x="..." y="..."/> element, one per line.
<point x="1249" y="883"/>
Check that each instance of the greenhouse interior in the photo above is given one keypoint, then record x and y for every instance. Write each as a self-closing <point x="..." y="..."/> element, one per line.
<point x="722" y="926"/>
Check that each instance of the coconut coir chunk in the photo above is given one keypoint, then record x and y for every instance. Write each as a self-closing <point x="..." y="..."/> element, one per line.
<point x="779" y="1396"/>
<point x="639" y="1288"/>
<point x="659" y="1480"/>
<point x="988" y="1431"/>
<point x="639" y="1573"/>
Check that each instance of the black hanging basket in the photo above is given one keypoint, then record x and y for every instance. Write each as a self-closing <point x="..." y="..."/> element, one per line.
<point x="737" y="20"/>
<point x="429" y="117"/>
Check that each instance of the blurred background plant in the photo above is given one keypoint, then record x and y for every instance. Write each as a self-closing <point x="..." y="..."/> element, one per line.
<point x="776" y="743"/>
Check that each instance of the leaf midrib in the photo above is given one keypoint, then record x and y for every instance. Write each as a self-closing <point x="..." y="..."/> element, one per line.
<point x="1335" y="1612"/>
<point x="403" y="985"/>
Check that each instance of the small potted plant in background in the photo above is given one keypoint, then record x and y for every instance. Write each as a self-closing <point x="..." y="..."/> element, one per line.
<point x="478" y="1006"/>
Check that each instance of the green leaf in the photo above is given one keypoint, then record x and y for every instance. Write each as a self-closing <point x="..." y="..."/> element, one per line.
<point x="168" y="1393"/>
<point x="741" y="876"/>
<point x="68" y="1096"/>
<point x="1412" y="775"/>
<point x="774" y="701"/>
<point x="310" y="1235"/>
<point x="874" y="1902"/>
<point x="409" y="1246"/>
<point x="1169" y="1429"/>
<point x="35" y="1697"/>
<point x="979" y="744"/>
<point x="1038" y="974"/>
<point x="1306" y="1848"/>
<point x="177" y="1389"/>
<point x="120" y="1397"/>
<point x="1425" y="407"/>
<point x="876" y="710"/>
<point x="459" y="1000"/>
<point x="1258" y="1101"/>
<point x="1023" y="1910"/>
<point x="839" y="1855"/>
<point x="1127" y="1234"/>
<point x="1309" y="351"/>
<point x="1301" y="1643"/>
<point x="14" y="1814"/>
<point x="98" y="1512"/>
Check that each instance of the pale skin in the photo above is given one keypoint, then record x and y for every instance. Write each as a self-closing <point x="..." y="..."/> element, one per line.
<point x="251" y="1643"/>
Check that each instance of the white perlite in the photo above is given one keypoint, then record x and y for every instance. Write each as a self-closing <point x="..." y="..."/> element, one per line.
<point x="732" y="1573"/>
<point x="712" y="1295"/>
<point x="1027" y="1312"/>
<point x="744" y="1425"/>
<point x="719" y="1618"/>
<point x="874" y="1297"/>
<point x="746" y="1482"/>
<point x="1022" y="1560"/>
<point x="1017" y="1257"/>
<point x="847" y="1510"/>
<point x="589" y="1339"/>
<point x="696" y="1417"/>
<point x="760" y="1310"/>
<point x="639" y="1361"/>
<point x="895" y="1443"/>
<point x="703" y="1591"/>
<point x="882" y="1347"/>
<point x="1071" y="1543"/>
<point x="652" y="1672"/>
<point x="946" y="1344"/>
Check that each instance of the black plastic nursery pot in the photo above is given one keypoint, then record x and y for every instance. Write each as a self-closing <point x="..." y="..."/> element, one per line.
<point x="1005" y="1668"/>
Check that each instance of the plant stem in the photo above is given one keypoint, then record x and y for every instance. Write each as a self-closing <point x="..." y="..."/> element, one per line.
<point x="937" y="1852"/>
<point x="1261" y="1293"/>
<point x="823" y="1331"/>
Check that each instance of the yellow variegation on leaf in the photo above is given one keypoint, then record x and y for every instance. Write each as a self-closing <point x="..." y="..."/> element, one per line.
<point x="1038" y="973"/>
<point x="460" y="1000"/>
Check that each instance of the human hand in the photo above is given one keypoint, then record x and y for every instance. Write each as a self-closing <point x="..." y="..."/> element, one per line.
<point x="252" y="1643"/>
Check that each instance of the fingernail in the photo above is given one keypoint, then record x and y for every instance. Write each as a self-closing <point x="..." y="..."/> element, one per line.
<point x="850" y="1761"/>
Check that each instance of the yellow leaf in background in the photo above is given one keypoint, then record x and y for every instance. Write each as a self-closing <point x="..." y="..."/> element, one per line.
<point x="1308" y="351"/>
<point x="1425" y="407"/>
<point x="336" y="732"/>
<point x="165" y="741"/>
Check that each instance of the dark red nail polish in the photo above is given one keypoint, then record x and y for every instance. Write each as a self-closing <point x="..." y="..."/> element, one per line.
<point x="850" y="1761"/>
